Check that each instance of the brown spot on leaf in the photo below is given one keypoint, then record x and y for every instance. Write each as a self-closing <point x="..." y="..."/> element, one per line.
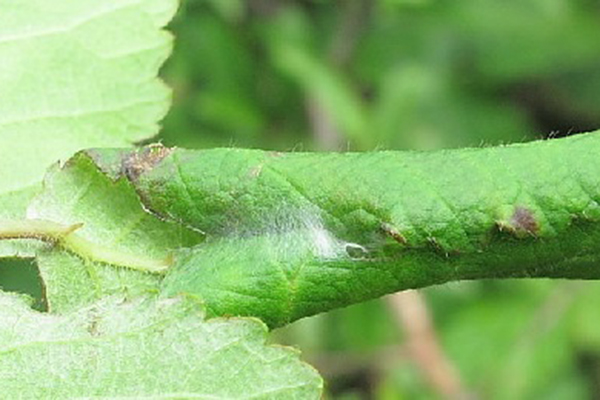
<point x="393" y="233"/>
<point x="523" y="220"/>
<point x="143" y="160"/>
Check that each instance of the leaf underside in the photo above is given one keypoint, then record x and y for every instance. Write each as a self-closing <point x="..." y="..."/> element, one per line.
<point x="74" y="74"/>
<point x="143" y="349"/>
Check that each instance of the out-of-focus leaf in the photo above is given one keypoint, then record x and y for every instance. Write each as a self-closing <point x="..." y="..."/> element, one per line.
<point x="231" y="10"/>
<point x="22" y="276"/>
<point x="524" y="39"/>
<point x="293" y="55"/>
<point x="215" y="85"/>
<point x="518" y="354"/>
<point x="327" y="88"/>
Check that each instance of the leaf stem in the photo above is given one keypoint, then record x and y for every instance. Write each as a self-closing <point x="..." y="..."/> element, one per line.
<point x="66" y="237"/>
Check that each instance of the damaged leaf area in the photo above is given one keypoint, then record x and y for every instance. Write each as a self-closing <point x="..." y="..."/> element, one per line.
<point x="136" y="163"/>
<point x="144" y="349"/>
<point x="296" y="234"/>
<point x="522" y="222"/>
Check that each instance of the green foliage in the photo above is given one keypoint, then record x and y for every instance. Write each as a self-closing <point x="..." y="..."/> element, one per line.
<point x="278" y="74"/>
<point x="114" y="225"/>
<point x="84" y="75"/>
<point x="392" y="74"/>
<point x="69" y="80"/>
<point x="143" y="348"/>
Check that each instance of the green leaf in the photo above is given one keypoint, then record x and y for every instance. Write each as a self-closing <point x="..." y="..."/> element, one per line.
<point x="116" y="230"/>
<point x="294" y="234"/>
<point x="75" y="74"/>
<point x="455" y="117"/>
<point x="144" y="349"/>
<point x="512" y="41"/>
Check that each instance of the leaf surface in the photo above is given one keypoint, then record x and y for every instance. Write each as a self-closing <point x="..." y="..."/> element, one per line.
<point x="75" y="74"/>
<point x="113" y="221"/>
<point x="294" y="234"/>
<point x="144" y="349"/>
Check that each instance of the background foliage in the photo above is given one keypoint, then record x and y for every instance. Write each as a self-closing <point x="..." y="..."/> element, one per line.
<point x="400" y="74"/>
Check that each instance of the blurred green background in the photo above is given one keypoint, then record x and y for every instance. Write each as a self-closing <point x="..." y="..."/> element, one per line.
<point x="405" y="74"/>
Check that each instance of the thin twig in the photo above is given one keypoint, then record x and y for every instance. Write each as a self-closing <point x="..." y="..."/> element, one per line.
<point x="411" y="312"/>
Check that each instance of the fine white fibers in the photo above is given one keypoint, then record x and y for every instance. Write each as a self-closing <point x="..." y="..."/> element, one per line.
<point x="302" y="231"/>
<point x="324" y="244"/>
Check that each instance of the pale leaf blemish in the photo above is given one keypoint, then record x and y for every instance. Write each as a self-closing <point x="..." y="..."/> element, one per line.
<point x="143" y="160"/>
<point x="327" y="246"/>
<point x="323" y="242"/>
<point x="393" y="233"/>
<point x="256" y="171"/>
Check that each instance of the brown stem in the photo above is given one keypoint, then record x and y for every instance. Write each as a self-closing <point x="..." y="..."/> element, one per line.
<point x="411" y="312"/>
